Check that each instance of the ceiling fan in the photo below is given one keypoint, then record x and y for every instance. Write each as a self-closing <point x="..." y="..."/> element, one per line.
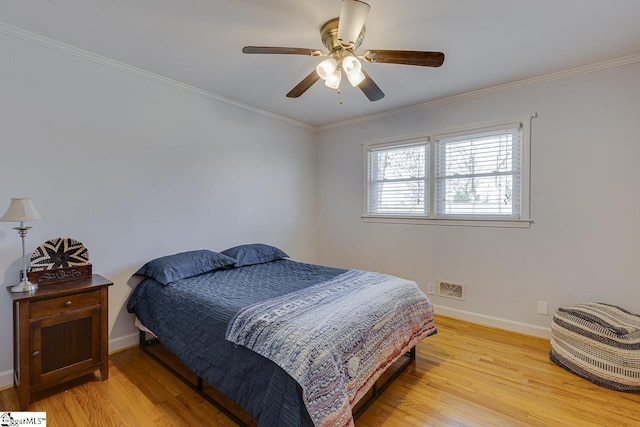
<point x="342" y="36"/>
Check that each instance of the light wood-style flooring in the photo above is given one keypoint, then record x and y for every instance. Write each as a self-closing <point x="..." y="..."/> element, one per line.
<point x="466" y="375"/>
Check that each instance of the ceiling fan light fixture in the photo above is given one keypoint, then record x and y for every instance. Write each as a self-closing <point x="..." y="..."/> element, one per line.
<point x="327" y="68"/>
<point x="333" y="80"/>
<point x="353" y="15"/>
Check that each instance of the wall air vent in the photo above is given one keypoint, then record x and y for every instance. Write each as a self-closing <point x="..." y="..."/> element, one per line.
<point x="453" y="290"/>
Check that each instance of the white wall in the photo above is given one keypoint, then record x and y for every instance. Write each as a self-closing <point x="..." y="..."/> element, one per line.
<point x="137" y="169"/>
<point x="585" y="242"/>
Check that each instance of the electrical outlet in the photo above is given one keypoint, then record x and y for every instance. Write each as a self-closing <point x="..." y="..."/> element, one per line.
<point x="431" y="288"/>
<point x="543" y="308"/>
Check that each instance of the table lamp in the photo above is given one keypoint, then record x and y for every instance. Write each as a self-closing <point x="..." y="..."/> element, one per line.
<point x="22" y="210"/>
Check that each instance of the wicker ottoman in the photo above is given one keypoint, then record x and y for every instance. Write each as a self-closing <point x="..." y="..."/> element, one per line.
<point x="598" y="342"/>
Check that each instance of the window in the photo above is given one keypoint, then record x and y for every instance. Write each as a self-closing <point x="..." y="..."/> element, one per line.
<point x="476" y="175"/>
<point x="399" y="179"/>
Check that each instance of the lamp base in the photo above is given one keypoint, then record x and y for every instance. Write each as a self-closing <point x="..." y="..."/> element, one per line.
<point x="24" y="286"/>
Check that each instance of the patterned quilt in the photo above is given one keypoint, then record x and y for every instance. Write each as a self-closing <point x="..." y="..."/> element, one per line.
<point x="336" y="338"/>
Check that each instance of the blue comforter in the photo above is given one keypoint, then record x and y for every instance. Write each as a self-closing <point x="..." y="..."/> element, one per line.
<point x="190" y="318"/>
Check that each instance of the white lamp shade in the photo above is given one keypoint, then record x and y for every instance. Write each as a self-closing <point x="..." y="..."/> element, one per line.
<point x="21" y="209"/>
<point x="352" y="18"/>
<point x="333" y="80"/>
<point x="353" y="69"/>
<point x="326" y="68"/>
<point x="351" y="65"/>
<point x="356" y="78"/>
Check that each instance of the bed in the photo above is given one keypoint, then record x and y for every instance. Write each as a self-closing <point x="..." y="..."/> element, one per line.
<point x="294" y="344"/>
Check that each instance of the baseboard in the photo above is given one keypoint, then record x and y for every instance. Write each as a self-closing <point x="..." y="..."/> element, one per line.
<point x="115" y="345"/>
<point x="496" y="322"/>
<point x="6" y="379"/>
<point x="124" y="342"/>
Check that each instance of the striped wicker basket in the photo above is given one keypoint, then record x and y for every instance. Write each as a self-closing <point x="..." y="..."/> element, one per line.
<point x="598" y="342"/>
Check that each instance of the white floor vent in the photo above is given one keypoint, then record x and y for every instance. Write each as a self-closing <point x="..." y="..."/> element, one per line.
<point x="451" y="290"/>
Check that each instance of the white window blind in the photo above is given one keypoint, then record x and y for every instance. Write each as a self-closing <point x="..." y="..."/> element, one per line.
<point x="398" y="179"/>
<point x="478" y="174"/>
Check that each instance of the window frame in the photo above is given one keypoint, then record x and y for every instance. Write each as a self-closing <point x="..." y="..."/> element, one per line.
<point x="431" y="138"/>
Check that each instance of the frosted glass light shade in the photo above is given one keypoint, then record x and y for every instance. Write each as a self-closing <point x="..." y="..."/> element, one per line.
<point x="356" y="78"/>
<point x="326" y="68"/>
<point x="21" y="209"/>
<point x="350" y="64"/>
<point x="353" y="69"/>
<point x="333" y="80"/>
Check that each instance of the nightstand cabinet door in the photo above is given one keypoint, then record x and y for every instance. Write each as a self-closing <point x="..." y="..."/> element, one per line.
<point x="63" y="345"/>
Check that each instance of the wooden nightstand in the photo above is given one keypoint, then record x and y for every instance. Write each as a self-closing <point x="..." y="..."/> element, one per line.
<point x="60" y="332"/>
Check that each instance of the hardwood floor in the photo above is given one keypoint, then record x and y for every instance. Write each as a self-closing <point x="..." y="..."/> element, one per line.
<point x="466" y="375"/>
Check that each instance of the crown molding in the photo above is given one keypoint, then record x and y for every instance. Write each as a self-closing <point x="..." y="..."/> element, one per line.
<point x="22" y="34"/>
<point x="565" y="74"/>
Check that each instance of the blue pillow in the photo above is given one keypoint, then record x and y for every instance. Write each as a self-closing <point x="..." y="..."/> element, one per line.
<point x="170" y="268"/>
<point x="255" y="253"/>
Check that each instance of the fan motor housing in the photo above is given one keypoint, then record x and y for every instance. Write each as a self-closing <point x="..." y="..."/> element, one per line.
<point x="329" y="34"/>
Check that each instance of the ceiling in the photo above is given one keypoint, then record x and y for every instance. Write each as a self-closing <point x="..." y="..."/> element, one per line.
<point x="199" y="42"/>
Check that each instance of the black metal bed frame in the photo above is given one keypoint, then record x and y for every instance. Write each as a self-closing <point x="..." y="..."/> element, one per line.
<point x="376" y="390"/>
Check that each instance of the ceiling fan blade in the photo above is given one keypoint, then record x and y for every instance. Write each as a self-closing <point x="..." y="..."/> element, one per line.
<point x="353" y="15"/>
<point x="370" y="88"/>
<point x="305" y="84"/>
<point x="406" y="57"/>
<point x="282" y="50"/>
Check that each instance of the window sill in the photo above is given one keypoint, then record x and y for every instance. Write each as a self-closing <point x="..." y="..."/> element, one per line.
<point x="489" y="222"/>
